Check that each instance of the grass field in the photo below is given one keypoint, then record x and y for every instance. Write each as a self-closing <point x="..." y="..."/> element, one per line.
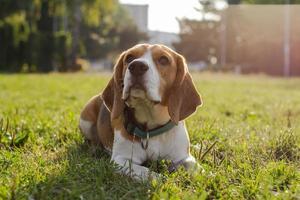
<point x="253" y="122"/>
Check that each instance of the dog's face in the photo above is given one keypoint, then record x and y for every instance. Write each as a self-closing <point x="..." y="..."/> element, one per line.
<point x="149" y="71"/>
<point x="154" y="74"/>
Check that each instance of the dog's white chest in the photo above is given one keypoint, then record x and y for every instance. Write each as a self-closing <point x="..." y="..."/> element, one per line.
<point x="156" y="149"/>
<point x="172" y="145"/>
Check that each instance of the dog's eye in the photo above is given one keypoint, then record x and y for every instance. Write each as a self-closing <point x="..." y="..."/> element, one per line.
<point x="129" y="58"/>
<point x="163" y="60"/>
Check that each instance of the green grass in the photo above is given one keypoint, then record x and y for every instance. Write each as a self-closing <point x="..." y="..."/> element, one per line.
<point x="255" y="122"/>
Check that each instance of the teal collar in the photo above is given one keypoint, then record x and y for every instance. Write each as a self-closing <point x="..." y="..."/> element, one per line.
<point x="136" y="131"/>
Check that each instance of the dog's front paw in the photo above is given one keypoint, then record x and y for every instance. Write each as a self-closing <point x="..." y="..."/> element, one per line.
<point x="195" y="169"/>
<point x="192" y="166"/>
<point x="149" y="176"/>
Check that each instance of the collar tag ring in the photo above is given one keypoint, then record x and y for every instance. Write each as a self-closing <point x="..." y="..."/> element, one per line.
<point x="145" y="146"/>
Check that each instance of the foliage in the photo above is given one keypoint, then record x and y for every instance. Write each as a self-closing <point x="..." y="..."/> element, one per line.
<point x="207" y="7"/>
<point x="40" y="35"/>
<point x="198" y="40"/>
<point x="245" y="136"/>
<point x="116" y="33"/>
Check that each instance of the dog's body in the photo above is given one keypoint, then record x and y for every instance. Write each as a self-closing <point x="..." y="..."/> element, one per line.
<point x="152" y="90"/>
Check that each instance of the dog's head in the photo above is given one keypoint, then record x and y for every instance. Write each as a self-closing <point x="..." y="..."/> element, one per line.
<point x="153" y="73"/>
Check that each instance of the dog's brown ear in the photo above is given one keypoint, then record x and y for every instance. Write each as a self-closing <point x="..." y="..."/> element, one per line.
<point x="184" y="98"/>
<point x="113" y="92"/>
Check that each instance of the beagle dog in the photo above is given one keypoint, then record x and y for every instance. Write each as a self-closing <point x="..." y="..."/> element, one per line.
<point x="140" y="114"/>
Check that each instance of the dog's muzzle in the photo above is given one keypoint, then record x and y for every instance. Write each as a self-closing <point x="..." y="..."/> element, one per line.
<point x="136" y="86"/>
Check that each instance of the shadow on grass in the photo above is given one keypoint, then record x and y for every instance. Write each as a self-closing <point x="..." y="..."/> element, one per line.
<point x="86" y="175"/>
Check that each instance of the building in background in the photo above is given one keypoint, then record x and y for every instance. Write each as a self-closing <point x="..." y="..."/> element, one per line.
<point x="258" y="43"/>
<point x="139" y="14"/>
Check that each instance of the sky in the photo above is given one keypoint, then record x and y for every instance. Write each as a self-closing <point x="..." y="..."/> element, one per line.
<point x="162" y="13"/>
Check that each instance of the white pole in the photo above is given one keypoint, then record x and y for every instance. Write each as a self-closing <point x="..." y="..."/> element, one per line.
<point x="286" y="40"/>
<point x="223" y="37"/>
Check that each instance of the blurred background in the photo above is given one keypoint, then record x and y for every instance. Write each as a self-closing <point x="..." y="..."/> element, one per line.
<point x="239" y="36"/>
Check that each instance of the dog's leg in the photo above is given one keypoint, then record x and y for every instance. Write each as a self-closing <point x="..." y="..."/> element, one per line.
<point x="136" y="171"/>
<point x="88" y="120"/>
<point x="89" y="131"/>
<point x="129" y="156"/>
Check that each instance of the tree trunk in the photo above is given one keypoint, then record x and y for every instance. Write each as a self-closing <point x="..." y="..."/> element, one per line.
<point x="75" y="36"/>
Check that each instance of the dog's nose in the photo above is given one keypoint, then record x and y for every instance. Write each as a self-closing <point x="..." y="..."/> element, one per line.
<point x="138" y="68"/>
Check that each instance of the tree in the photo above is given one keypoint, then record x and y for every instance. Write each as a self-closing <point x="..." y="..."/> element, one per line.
<point x="207" y="8"/>
<point x="199" y="38"/>
<point x="88" y="14"/>
<point x="17" y="23"/>
<point x="46" y="39"/>
<point x="116" y="32"/>
<point x="42" y="35"/>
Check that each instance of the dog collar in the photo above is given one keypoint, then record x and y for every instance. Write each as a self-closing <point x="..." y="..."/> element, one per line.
<point x="136" y="131"/>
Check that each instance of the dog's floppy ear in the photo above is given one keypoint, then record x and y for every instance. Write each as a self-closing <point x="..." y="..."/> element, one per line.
<point x="113" y="92"/>
<point x="184" y="98"/>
